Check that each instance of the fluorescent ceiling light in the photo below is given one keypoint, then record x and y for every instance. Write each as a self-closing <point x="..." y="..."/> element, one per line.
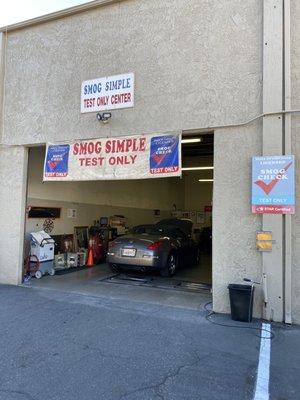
<point x="197" y="168"/>
<point x="206" y="180"/>
<point x="192" y="140"/>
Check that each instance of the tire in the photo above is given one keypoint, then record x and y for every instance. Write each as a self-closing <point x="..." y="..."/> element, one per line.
<point x="114" y="267"/>
<point x="51" y="272"/>
<point x="38" y="274"/>
<point x="171" y="266"/>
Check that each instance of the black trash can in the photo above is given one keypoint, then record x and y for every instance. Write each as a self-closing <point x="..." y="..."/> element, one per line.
<point x="241" y="302"/>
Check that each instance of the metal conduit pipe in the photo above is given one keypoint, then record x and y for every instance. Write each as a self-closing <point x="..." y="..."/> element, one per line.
<point x="287" y="144"/>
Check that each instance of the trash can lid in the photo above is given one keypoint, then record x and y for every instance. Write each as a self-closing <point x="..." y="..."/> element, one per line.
<point x="235" y="286"/>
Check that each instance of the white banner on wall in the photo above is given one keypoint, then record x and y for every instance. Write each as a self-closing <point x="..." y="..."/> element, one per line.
<point x="108" y="93"/>
<point x="130" y="157"/>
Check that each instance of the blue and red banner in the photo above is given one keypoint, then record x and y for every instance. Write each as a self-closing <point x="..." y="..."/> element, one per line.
<point x="164" y="154"/>
<point x="56" y="162"/>
<point x="129" y="157"/>
<point x="273" y="185"/>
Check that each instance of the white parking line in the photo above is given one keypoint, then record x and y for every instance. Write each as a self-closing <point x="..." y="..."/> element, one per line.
<point x="263" y="371"/>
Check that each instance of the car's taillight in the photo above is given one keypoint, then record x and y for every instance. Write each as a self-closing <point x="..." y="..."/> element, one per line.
<point x="154" y="246"/>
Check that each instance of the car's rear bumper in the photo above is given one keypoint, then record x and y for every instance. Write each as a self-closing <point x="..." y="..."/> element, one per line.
<point x="139" y="262"/>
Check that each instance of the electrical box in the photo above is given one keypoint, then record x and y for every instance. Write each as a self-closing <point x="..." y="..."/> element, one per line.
<point x="264" y="241"/>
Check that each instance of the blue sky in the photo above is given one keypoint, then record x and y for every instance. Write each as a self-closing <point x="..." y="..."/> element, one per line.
<point x="12" y="11"/>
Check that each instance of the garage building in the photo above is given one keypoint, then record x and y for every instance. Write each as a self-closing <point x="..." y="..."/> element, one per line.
<point x="225" y="73"/>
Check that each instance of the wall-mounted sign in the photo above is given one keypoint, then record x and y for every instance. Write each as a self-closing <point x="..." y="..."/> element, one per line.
<point x="72" y="213"/>
<point x="273" y="185"/>
<point x="134" y="157"/>
<point x="107" y="93"/>
<point x="200" y="217"/>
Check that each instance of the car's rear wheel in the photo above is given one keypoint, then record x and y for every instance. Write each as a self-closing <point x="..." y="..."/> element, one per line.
<point x="171" y="266"/>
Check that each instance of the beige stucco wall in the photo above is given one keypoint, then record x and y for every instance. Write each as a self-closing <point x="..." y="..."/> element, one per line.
<point x="13" y="167"/>
<point x="234" y="246"/>
<point x="295" y="76"/>
<point x="86" y="214"/>
<point x="196" y="63"/>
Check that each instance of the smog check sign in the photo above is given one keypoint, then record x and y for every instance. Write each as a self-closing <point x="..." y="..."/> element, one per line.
<point x="108" y="93"/>
<point x="273" y="185"/>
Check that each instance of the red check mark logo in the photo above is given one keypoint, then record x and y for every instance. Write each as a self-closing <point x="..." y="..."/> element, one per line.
<point x="268" y="187"/>
<point x="52" y="164"/>
<point x="158" y="159"/>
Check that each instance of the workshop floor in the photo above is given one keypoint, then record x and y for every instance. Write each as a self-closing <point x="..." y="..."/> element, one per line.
<point x="201" y="273"/>
<point x="93" y="281"/>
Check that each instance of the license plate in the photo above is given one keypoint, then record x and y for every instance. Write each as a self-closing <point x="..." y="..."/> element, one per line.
<point x="128" y="252"/>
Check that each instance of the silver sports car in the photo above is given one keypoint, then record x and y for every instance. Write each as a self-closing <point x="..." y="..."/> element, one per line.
<point x="163" y="246"/>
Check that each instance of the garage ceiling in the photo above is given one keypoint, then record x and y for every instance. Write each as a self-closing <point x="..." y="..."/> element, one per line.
<point x="201" y="149"/>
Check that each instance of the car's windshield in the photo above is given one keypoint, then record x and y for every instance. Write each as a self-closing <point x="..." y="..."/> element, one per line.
<point x="166" y="231"/>
<point x="154" y="230"/>
<point x="161" y="229"/>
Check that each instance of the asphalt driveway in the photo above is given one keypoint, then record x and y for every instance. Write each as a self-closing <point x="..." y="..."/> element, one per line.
<point x="58" y="345"/>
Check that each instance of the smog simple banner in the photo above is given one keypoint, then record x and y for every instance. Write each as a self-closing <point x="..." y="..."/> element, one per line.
<point x="108" y="93"/>
<point x="134" y="157"/>
<point x="273" y="185"/>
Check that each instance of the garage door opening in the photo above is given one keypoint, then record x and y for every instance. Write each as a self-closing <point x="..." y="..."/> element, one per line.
<point x="79" y="216"/>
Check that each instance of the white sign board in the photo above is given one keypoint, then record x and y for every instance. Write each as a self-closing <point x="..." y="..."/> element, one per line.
<point x="72" y="213"/>
<point x="130" y="157"/>
<point x="109" y="93"/>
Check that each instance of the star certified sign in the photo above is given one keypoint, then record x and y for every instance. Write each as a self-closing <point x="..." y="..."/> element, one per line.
<point x="273" y="185"/>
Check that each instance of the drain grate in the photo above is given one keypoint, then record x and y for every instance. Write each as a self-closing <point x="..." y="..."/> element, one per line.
<point x="154" y="282"/>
